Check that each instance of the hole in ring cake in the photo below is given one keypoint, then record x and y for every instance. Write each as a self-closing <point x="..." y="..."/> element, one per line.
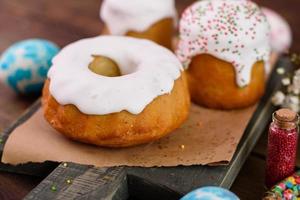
<point x="104" y="66"/>
<point x="148" y="101"/>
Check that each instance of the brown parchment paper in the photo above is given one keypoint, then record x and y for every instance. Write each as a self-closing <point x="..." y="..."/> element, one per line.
<point x="208" y="136"/>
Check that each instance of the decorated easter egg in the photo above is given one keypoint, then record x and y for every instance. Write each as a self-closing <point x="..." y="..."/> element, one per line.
<point x="24" y="65"/>
<point x="210" y="193"/>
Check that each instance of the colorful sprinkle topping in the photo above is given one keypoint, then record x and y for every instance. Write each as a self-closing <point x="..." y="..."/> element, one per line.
<point x="287" y="189"/>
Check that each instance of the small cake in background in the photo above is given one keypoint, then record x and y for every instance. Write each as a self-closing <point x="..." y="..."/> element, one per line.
<point x="224" y="46"/>
<point x="281" y="34"/>
<point x="24" y="65"/>
<point x="118" y="92"/>
<point x="148" y="19"/>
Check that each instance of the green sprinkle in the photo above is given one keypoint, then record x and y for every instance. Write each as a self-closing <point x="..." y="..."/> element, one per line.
<point x="53" y="188"/>
<point x="1" y="141"/>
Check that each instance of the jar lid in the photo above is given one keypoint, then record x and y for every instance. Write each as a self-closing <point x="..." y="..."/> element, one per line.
<point x="286" y="115"/>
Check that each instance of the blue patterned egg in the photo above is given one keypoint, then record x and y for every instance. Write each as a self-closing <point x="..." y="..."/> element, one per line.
<point x="25" y="64"/>
<point x="210" y="193"/>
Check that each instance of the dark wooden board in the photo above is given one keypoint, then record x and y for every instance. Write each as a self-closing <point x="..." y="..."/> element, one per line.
<point x="72" y="181"/>
<point x="151" y="183"/>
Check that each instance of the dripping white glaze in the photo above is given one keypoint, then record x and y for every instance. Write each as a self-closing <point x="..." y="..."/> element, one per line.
<point x="234" y="31"/>
<point x="135" y="15"/>
<point x="148" y="69"/>
<point x="281" y="34"/>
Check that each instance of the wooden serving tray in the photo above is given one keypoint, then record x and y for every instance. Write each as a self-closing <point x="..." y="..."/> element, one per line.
<point x="74" y="181"/>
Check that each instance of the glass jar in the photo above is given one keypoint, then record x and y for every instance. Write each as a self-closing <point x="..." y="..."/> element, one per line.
<point x="282" y="146"/>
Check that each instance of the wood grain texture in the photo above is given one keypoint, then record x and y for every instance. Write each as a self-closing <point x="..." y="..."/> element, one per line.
<point x="16" y="186"/>
<point x="72" y="181"/>
<point x="69" y="20"/>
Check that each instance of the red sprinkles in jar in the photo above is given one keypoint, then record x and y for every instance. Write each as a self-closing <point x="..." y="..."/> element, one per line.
<point x="282" y="146"/>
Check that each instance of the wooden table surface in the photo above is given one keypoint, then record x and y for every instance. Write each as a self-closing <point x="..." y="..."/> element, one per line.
<point x="64" y="21"/>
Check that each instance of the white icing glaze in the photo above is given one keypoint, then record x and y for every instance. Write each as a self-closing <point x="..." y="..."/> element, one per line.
<point x="281" y="34"/>
<point x="148" y="69"/>
<point x="135" y="15"/>
<point x="234" y="31"/>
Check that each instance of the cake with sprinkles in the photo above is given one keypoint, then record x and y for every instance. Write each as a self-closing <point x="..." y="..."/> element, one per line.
<point x="224" y="46"/>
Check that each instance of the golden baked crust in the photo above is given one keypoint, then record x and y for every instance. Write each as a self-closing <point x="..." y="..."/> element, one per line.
<point x="212" y="83"/>
<point x="161" y="33"/>
<point x="123" y="129"/>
